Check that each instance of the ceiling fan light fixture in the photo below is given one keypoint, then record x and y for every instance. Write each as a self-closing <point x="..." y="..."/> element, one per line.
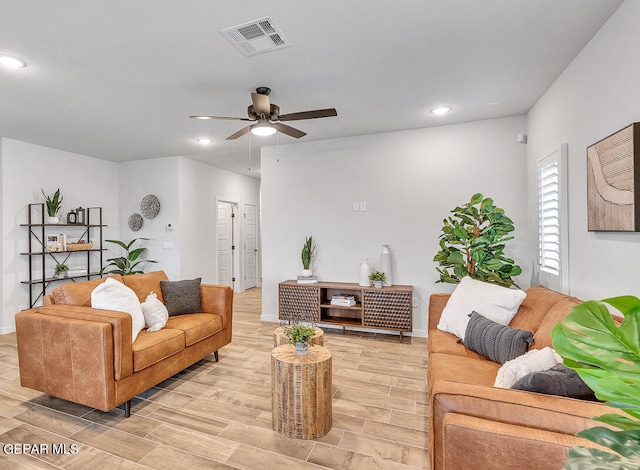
<point x="263" y="129"/>
<point x="440" y="110"/>
<point x="12" y="62"/>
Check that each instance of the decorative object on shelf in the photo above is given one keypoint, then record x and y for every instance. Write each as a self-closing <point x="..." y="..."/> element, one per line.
<point x="53" y="204"/>
<point x="53" y="242"/>
<point x="606" y="357"/>
<point x="308" y="250"/>
<point x="378" y="278"/>
<point x="81" y="216"/>
<point x="472" y="244"/>
<point x="365" y="272"/>
<point x="150" y="206"/>
<point x="80" y="245"/>
<point x="72" y="217"/>
<point x="299" y="335"/>
<point x="61" y="270"/>
<point x="125" y="265"/>
<point x="135" y="222"/>
<point x="612" y="190"/>
<point x="385" y="264"/>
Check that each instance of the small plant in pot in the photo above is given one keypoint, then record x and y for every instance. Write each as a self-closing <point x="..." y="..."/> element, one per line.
<point x="308" y="250"/>
<point x="378" y="278"/>
<point x="61" y="270"/>
<point x="299" y="335"/>
<point x="53" y="204"/>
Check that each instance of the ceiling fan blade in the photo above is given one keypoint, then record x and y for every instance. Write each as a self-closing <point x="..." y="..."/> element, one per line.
<point x="220" y="117"/>
<point x="240" y="133"/>
<point x="289" y="130"/>
<point x="261" y="103"/>
<point x="318" y="113"/>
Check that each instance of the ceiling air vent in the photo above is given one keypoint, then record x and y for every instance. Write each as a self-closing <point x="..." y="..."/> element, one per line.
<point x="256" y="37"/>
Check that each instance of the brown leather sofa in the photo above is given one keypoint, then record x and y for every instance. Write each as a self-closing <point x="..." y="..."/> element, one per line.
<point x="475" y="425"/>
<point x="72" y="351"/>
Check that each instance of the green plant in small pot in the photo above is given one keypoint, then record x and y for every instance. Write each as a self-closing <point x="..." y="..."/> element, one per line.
<point x="53" y="204"/>
<point x="125" y="265"/>
<point x="60" y="270"/>
<point x="308" y="250"/>
<point x="607" y="357"/>
<point x="472" y="244"/>
<point x="378" y="278"/>
<point x="299" y="335"/>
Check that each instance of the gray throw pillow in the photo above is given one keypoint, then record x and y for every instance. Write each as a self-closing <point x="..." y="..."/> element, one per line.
<point x="181" y="297"/>
<point x="497" y="342"/>
<point x="559" y="380"/>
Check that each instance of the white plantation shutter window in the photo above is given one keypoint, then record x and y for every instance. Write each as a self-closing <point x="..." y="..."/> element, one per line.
<point x="552" y="220"/>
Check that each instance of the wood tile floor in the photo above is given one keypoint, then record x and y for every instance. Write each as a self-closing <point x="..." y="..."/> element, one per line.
<point x="218" y="415"/>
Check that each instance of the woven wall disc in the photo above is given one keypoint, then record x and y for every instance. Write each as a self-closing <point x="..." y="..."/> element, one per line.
<point x="150" y="206"/>
<point x="135" y="222"/>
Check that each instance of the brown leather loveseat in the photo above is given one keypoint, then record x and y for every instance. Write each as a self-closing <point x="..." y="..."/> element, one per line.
<point x="72" y="351"/>
<point x="473" y="424"/>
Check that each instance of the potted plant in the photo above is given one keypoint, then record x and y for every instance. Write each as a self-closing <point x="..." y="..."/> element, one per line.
<point x="125" y="265"/>
<point x="299" y="335"/>
<point x="53" y="204"/>
<point x="378" y="278"/>
<point x="308" y="251"/>
<point x="607" y="357"/>
<point x="61" y="270"/>
<point x="472" y="244"/>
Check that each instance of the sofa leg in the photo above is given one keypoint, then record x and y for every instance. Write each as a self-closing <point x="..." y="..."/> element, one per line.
<point x="215" y="355"/>
<point x="127" y="408"/>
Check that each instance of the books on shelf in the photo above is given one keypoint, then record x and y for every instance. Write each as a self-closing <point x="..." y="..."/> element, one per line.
<point x="307" y="280"/>
<point x="343" y="300"/>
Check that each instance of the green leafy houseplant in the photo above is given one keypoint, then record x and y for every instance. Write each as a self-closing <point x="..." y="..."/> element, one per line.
<point x="299" y="333"/>
<point x="377" y="276"/>
<point x="125" y="265"/>
<point x="607" y="358"/>
<point x="60" y="269"/>
<point x="53" y="203"/>
<point x="307" y="252"/>
<point x="472" y="244"/>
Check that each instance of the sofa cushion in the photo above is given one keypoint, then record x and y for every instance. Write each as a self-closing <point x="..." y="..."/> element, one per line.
<point x="542" y="337"/>
<point x="151" y="348"/>
<point x="443" y="342"/>
<point x="114" y="295"/>
<point x="182" y="297"/>
<point x="477" y="371"/>
<point x="196" y="326"/>
<point x="559" y="380"/>
<point x="496" y="303"/>
<point x="497" y="342"/>
<point x="534" y="307"/>
<point x="79" y="293"/>
<point x="143" y="284"/>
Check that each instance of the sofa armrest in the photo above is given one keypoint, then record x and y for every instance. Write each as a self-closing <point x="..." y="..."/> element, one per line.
<point x="436" y="306"/>
<point x="505" y="418"/>
<point x="121" y="328"/>
<point x="218" y="299"/>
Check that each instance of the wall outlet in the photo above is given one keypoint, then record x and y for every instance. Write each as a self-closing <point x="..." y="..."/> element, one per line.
<point x="414" y="302"/>
<point x="363" y="207"/>
<point x="355" y="206"/>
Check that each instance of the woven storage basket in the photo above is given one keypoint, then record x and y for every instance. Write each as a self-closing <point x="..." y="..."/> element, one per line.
<point x="79" y="246"/>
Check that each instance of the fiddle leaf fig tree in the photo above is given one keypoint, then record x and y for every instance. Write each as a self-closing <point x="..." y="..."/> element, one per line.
<point x="607" y="357"/>
<point x="472" y="244"/>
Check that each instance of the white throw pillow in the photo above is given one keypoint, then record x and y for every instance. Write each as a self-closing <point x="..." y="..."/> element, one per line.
<point x="497" y="303"/>
<point x="533" y="361"/>
<point x="155" y="313"/>
<point x="114" y="295"/>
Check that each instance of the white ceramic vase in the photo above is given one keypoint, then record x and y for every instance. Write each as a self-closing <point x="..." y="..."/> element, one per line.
<point x="365" y="271"/>
<point x="385" y="264"/>
<point x="307" y="272"/>
<point x="53" y="220"/>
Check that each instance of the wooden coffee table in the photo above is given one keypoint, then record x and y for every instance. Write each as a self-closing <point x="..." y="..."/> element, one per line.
<point x="301" y="392"/>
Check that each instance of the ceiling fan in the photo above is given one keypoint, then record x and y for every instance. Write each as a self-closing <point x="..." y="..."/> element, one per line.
<point x="266" y="117"/>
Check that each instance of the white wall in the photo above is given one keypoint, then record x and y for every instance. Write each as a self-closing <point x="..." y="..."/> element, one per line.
<point x="410" y="181"/>
<point x="596" y="95"/>
<point x="26" y="168"/>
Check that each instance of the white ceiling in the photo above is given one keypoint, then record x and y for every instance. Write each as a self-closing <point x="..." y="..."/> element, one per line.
<point x="117" y="79"/>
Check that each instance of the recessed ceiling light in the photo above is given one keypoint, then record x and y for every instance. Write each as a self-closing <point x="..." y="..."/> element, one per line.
<point x="263" y="129"/>
<point x="204" y="140"/>
<point x="494" y="103"/>
<point x="12" y="62"/>
<point x="441" y="110"/>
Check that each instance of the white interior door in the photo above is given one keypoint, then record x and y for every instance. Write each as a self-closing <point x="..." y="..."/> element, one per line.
<point x="225" y="244"/>
<point x="250" y="247"/>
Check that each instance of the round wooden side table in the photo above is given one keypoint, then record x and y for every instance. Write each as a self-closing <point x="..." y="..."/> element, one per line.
<point x="301" y="392"/>
<point x="279" y="338"/>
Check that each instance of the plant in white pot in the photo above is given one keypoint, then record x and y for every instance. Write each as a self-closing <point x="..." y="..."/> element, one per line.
<point x="378" y="278"/>
<point x="308" y="250"/>
<point x="299" y="335"/>
<point x="53" y="204"/>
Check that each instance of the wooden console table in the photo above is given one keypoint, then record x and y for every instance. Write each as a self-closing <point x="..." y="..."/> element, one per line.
<point x="387" y="308"/>
<point x="301" y="392"/>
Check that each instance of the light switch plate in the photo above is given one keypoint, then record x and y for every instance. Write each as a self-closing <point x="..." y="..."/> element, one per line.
<point x="355" y="206"/>
<point x="363" y="207"/>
